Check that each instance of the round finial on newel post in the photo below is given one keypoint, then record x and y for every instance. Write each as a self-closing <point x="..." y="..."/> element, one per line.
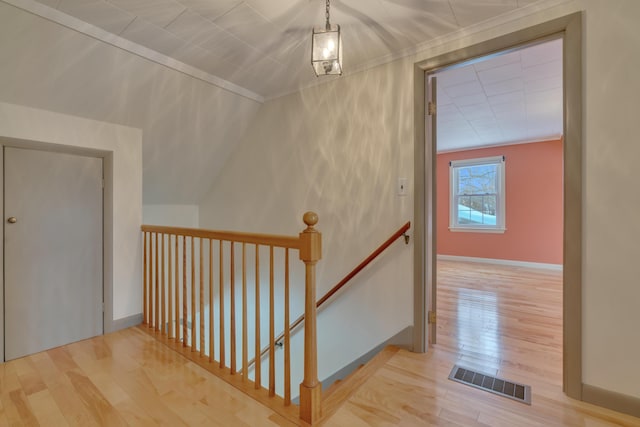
<point x="310" y="218"/>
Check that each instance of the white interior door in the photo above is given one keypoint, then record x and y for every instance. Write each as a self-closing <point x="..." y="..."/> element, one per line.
<point x="53" y="250"/>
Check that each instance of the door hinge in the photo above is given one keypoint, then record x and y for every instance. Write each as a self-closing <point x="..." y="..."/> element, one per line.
<point x="102" y="183"/>
<point x="103" y="307"/>
<point x="431" y="108"/>
<point x="432" y="317"/>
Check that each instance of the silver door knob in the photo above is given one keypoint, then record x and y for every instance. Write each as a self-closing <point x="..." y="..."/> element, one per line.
<point x="12" y="220"/>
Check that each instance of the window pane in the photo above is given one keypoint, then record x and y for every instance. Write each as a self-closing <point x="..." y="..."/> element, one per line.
<point x="479" y="210"/>
<point x="490" y="205"/>
<point x="464" y="214"/>
<point x="480" y="179"/>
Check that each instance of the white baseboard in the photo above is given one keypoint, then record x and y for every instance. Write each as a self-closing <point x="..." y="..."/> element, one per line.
<point x="512" y="263"/>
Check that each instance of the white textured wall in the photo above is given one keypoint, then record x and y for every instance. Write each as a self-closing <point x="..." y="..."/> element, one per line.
<point x="611" y="272"/>
<point x="338" y="149"/>
<point x="171" y="215"/>
<point x="125" y="217"/>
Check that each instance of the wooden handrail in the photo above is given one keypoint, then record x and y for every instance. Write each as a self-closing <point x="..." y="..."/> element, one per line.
<point x="364" y="263"/>
<point x="229" y="236"/>
<point x="401" y="231"/>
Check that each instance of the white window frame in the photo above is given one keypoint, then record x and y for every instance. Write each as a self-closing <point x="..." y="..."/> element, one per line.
<point x="454" y="166"/>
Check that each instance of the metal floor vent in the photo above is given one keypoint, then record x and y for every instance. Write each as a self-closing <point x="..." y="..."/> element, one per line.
<point x="499" y="386"/>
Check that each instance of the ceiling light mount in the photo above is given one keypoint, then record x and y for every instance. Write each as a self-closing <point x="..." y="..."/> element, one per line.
<point x="326" y="48"/>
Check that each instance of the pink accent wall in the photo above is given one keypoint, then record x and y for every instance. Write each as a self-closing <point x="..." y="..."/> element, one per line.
<point x="533" y="187"/>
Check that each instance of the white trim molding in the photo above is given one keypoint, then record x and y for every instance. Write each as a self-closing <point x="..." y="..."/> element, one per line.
<point x="508" y="262"/>
<point x="477" y="230"/>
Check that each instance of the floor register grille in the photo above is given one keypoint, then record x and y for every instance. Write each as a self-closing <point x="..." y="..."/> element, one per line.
<point x="492" y="384"/>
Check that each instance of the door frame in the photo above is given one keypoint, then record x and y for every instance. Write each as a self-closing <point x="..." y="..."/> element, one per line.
<point x="568" y="27"/>
<point x="107" y="231"/>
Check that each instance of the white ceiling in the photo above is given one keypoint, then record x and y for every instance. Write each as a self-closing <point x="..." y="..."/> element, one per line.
<point x="513" y="97"/>
<point x="264" y="45"/>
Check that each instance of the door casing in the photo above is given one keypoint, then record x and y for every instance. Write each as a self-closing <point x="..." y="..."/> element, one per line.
<point x="570" y="29"/>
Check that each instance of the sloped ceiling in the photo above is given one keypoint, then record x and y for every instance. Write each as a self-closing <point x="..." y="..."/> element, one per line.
<point x="264" y="45"/>
<point x="240" y="53"/>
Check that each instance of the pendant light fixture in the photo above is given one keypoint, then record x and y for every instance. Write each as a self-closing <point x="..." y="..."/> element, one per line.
<point x="326" y="48"/>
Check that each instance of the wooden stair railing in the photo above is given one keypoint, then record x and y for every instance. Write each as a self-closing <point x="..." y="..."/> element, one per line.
<point x="172" y="305"/>
<point x="287" y="331"/>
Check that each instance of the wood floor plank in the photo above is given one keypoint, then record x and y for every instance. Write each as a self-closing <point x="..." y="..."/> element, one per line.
<point x="68" y="401"/>
<point x="45" y="409"/>
<point x="62" y="359"/>
<point x="134" y="415"/>
<point x="30" y="381"/>
<point x="337" y="394"/>
<point x="147" y="398"/>
<point x="9" y="377"/>
<point x="23" y="413"/>
<point x="101" y="410"/>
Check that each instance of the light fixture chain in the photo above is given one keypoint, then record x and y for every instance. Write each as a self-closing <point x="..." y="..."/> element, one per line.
<point x="328" y="25"/>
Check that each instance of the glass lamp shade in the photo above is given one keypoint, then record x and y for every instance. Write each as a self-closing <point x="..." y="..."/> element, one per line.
<point x="326" y="50"/>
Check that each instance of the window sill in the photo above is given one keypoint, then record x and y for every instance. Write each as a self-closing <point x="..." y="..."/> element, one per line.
<point x="477" y="230"/>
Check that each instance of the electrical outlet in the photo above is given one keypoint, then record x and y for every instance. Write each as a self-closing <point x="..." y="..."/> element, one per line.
<point x="402" y="186"/>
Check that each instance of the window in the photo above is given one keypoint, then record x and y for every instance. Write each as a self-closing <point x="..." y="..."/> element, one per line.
<point x="477" y="195"/>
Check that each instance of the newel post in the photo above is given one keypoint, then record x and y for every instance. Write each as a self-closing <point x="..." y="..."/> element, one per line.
<point x="311" y="388"/>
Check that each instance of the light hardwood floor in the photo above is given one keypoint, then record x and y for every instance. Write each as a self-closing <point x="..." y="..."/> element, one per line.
<point x="129" y="378"/>
<point x="124" y="378"/>
<point x="501" y="320"/>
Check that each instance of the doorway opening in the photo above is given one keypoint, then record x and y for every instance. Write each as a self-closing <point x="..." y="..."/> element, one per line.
<point x="498" y="272"/>
<point x="567" y="28"/>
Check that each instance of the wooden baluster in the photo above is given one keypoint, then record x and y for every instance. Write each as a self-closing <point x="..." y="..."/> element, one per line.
<point x="287" y="333"/>
<point x="184" y="292"/>
<point x="157" y="284"/>
<point x="222" y="346"/>
<point x="145" y="313"/>
<point x="177" y="292"/>
<point x="245" y="358"/>
<point x="193" y="296"/>
<point x="310" y="388"/>
<point x="169" y="290"/>
<point x="211" y="334"/>
<point x="150" y="279"/>
<point x="232" y="304"/>
<point x="272" y="329"/>
<point x="201" y="300"/>
<point x="163" y="312"/>
<point x="258" y="363"/>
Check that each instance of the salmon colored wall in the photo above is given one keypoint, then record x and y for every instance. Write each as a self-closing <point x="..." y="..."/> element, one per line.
<point x="533" y="185"/>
